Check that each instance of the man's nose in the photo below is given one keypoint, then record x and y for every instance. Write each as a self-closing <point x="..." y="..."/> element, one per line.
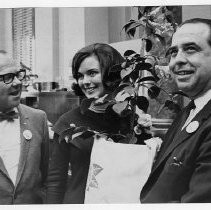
<point x="177" y="60"/>
<point x="180" y="57"/>
<point x="16" y="81"/>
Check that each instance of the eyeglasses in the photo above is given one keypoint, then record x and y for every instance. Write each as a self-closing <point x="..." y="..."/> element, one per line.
<point x="8" y="78"/>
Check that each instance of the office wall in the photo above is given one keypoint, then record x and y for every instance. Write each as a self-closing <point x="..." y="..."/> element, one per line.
<point x="96" y="24"/>
<point x="6" y="30"/>
<point x="60" y="32"/>
<point x="202" y="11"/>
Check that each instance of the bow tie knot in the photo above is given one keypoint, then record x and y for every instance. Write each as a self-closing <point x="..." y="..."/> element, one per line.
<point x="9" y="116"/>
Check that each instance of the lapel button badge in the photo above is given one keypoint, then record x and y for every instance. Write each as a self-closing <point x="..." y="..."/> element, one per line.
<point x="72" y="125"/>
<point x="192" y="127"/>
<point x="27" y="134"/>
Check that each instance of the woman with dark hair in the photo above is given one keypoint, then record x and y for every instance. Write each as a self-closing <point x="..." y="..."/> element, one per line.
<point x="90" y="67"/>
<point x="77" y="132"/>
<point x="105" y="57"/>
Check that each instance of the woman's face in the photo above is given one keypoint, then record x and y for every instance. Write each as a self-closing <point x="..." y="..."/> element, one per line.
<point x="90" y="78"/>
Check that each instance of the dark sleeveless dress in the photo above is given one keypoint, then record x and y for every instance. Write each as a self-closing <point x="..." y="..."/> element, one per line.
<point x="76" y="154"/>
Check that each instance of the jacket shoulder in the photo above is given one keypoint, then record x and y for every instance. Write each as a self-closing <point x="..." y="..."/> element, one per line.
<point x="31" y="111"/>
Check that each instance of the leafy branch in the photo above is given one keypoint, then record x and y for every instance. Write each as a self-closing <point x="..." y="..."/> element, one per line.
<point x="144" y="69"/>
<point x="138" y="71"/>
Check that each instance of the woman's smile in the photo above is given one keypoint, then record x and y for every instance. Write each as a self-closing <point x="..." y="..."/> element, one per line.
<point x="90" y="77"/>
<point x="90" y="89"/>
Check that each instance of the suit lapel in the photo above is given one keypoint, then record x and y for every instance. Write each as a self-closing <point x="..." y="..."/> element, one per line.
<point x="24" y="125"/>
<point x="171" y="133"/>
<point x="181" y="136"/>
<point x="2" y="167"/>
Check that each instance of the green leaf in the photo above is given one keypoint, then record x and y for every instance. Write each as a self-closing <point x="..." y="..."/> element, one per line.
<point x="130" y="28"/>
<point x="142" y="103"/>
<point x="153" y="92"/>
<point x="129" y="90"/>
<point x="129" y="52"/>
<point x="143" y="66"/>
<point x="131" y="32"/>
<point x="140" y="12"/>
<point x="126" y="26"/>
<point x="161" y="39"/>
<point x="138" y="58"/>
<point x="126" y="64"/>
<point x="120" y="107"/>
<point x="134" y="75"/>
<point x="148" y="78"/>
<point x="133" y="25"/>
<point x="121" y="86"/>
<point x="125" y="72"/>
<point x="148" y="44"/>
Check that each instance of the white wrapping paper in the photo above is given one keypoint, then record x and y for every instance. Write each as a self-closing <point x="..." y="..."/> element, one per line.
<point x="118" y="172"/>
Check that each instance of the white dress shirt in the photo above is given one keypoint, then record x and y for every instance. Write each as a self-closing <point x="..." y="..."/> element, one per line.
<point x="200" y="102"/>
<point x="10" y="146"/>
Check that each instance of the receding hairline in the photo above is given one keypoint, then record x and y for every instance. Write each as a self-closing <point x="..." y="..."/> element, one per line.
<point x="204" y="21"/>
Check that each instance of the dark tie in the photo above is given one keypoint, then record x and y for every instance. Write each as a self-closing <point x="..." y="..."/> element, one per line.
<point x="190" y="106"/>
<point x="188" y="118"/>
<point x="9" y="116"/>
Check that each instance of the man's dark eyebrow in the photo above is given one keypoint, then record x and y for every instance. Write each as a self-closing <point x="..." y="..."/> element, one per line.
<point x="197" y="47"/>
<point x="189" y="43"/>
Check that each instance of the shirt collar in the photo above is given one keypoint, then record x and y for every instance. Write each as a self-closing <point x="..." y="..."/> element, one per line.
<point x="201" y="101"/>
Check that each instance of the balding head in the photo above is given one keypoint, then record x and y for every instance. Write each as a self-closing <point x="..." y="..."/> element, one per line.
<point x="9" y="92"/>
<point x="6" y="62"/>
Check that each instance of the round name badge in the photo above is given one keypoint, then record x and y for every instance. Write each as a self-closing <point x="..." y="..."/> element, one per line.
<point x="27" y="134"/>
<point x="192" y="127"/>
<point x="72" y="125"/>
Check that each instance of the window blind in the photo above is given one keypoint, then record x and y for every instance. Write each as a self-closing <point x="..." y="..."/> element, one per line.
<point x="23" y="36"/>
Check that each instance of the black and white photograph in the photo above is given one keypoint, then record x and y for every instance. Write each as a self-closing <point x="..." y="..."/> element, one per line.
<point x="105" y="104"/>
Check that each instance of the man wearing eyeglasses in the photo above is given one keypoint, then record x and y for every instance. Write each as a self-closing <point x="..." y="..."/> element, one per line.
<point x="24" y="141"/>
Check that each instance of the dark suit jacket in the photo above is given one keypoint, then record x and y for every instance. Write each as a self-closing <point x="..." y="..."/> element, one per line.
<point x="33" y="162"/>
<point x="182" y="171"/>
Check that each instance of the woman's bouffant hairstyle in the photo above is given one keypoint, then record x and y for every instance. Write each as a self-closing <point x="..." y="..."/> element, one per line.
<point x="107" y="57"/>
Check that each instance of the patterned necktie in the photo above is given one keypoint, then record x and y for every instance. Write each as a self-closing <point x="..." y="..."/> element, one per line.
<point x="9" y="116"/>
<point x="188" y="118"/>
